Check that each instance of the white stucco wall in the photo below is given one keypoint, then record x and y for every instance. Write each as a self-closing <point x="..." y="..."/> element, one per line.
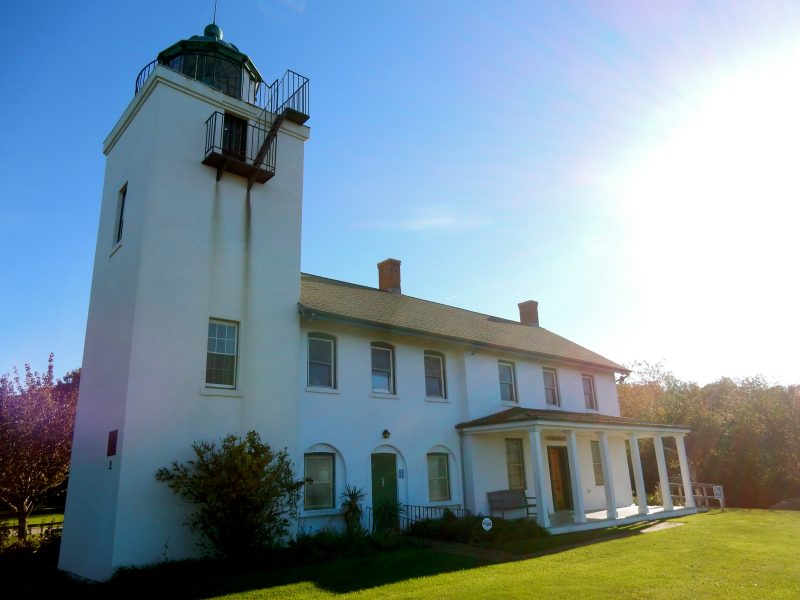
<point x="351" y="418"/>
<point x="192" y="249"/>
<point x="483" y="388"/>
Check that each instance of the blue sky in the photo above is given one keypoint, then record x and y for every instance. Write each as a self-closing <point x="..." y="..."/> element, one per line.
<point x="628" y="165"/>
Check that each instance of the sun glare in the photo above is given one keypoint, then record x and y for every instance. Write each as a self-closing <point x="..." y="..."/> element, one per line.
<point x="711" y="201"/>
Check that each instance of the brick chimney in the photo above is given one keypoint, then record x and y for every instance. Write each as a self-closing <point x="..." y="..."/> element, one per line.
<point x="389" y="275"/>
<point x="529" y="313"/>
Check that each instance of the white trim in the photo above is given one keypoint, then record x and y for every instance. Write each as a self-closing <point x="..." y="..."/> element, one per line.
<point x="437" y="399"/>
<point x="221" y="391"/>
<point x="386" y="395"/>
<point x="321" y="390"/>
<point x="555" y="384"/>
<point x="548" y="424"/>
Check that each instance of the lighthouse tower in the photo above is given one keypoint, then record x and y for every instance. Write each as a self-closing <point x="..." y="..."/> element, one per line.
<point x="192" y="331"/>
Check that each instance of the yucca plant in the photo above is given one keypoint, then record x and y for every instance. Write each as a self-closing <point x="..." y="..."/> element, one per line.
<point x="351" y="510"/>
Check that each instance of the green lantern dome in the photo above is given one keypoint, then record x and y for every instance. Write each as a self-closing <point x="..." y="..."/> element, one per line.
<point x="215" y="62"/>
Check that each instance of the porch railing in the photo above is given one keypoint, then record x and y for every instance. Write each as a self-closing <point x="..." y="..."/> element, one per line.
<point x="703" y="494"/>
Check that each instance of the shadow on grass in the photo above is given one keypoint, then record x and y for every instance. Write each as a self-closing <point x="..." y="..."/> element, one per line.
<point x="35" y="574"/>
<point x="567" y="541"/>
<point x="35" y="577"/>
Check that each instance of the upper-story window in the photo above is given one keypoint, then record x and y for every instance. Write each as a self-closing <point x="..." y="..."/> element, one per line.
<point x="508" y="384"/>
<point x="435" y="385"/>
<point x="551" y="387"/>
<point x="120" y="220"/>
<point x="221" y="353"/>
<point x="588" y="392"/>
<point x="321" y="360"/>
<point x="382" y="367"/>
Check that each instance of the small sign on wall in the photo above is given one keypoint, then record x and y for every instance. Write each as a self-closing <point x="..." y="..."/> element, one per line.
<point x="401" y="473"/>
<point x="111" y="449"/>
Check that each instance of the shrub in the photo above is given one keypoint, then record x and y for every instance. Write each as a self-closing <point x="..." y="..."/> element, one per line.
<point x="244" y="493"/>
<point x="386" y="515"/>
<point x="468" y="530"/>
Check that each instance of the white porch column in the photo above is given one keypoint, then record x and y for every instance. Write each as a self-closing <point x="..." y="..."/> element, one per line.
<point x="638" y="475"/>
<point x="662" y="473"/>
<point x="575" y="478"/>
<point x="542" y="502"/>
<point x="686" y="477"/>
<point x="608" y="477"/>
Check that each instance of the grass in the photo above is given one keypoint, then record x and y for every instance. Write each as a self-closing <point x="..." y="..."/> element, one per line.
<point x="735" y="554"/>
<point x="45" y="516"/>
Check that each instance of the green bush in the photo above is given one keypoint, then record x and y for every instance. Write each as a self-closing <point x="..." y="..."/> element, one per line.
<point x="243" y="491"/>
<point x="468" y="530"/>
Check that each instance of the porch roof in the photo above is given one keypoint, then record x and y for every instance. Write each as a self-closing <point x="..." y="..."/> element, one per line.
<point x="530" y="416"/>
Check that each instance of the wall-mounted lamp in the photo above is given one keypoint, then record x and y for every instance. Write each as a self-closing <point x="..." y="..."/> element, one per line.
<point x="386" y="434"/>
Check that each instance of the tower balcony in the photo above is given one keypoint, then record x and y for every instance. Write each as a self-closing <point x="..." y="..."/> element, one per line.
<point x="240" y="147"/>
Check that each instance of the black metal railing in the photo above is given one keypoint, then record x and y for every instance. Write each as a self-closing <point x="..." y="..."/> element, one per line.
<point x="411" y="513"/>
<point x="290" y="93"/>
<point x="238" y="140"/>
<point x="225" y="75"/>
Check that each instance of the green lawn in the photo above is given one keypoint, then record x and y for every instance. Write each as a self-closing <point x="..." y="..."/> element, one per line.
<point x="38" y="519"/>
<point x="735" y="554"/>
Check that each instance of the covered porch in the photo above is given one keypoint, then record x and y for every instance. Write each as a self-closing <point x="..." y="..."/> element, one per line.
<point x="584" y="469"/>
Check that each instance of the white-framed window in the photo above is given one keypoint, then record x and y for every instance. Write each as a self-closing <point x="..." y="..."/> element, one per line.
<point x="321" y="360"/>
<point x="120" y="220"/>
<point x="588" y="392"/>
<point x="551" y="387"/>
<point x="435" y="384"/>
<point x="438" y="477"/>
<point x="515" y="464"/>
<point x="319" y="477"/>
<point x="221" y="353"/>
<point x="597" y="464"/>
<point x="382" y="356"/>
<point x="508" y="383"/>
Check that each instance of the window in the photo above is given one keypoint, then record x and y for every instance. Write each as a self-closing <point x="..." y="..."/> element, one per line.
<point x="382" y="368"/>
<point x="438" y="477"/>
<point x="508" y="388"/>
<point x="221" y="354"/>
<point x="120" y="214"/>
<point x="515" y="464"/>
<point x="319" y="478"/>
<point x="321" y="360"/>
<point x="551" y="387"/>
<point x="434" y="375"/>
<point x="588" y="392"/>
<point x="597" y="463"/>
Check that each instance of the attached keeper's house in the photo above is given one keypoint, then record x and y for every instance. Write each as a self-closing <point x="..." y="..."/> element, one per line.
<point x="201" y="324"/>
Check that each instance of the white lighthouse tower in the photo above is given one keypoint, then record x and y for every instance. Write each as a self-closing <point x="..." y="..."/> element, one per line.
<point x="192" y="330"/>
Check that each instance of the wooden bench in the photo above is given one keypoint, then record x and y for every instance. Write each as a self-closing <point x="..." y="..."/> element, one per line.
<point x="503" y="500"/>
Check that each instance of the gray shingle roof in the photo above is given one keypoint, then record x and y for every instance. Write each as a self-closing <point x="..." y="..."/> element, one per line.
<point x="329" y="298"/>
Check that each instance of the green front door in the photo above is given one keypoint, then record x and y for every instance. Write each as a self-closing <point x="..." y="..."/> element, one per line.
<point x="384" y="478"/>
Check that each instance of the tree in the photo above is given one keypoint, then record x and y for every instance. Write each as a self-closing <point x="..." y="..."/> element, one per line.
<point x="244" y="492"/>
<point x="37" y="418"/>
<point x="745" y="433"/>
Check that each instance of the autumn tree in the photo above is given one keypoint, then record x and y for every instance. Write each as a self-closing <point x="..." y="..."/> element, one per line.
<point x="745" y="432"/>
<point x="37" y="418"/>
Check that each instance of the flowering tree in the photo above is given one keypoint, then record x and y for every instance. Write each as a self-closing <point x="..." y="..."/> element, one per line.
<point x="37" y="417"/>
